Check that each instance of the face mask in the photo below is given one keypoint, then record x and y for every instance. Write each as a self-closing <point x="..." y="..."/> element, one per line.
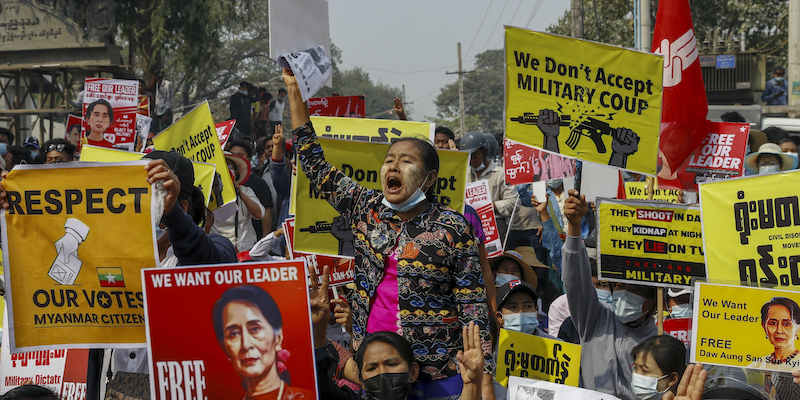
<point x="604" y="295"/>
<point x="645" y="387"/>
<point x="417" y="197"/>
<point x="768" y="168"/>
<point x="627" y="306"/>
<point x="778" y="79"/>
<point x="36" y="153"/>
<point x="791" y="153"/>
<point x="502" y="279"/>
<point x="681" y="311"/>
<point x="3" y="149"/>
<point x="479" y="168"/>
<point x="160" y="232"/>
<point x="524" y="322"/>
<point x="243" y="91"/>
<point x="554" y="183"/>
<point x="388" y="386"/>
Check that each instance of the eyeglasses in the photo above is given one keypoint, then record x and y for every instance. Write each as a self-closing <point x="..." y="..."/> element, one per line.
<point x="57" y="147"/>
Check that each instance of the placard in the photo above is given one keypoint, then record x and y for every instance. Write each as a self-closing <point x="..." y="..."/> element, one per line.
<point x="529" y="356"/>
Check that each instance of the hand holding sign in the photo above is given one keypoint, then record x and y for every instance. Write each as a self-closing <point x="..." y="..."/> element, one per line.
<point x="157" y="170"/>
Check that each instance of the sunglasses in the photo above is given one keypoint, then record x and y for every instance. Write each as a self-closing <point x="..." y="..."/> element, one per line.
<point x="57" y="147"/>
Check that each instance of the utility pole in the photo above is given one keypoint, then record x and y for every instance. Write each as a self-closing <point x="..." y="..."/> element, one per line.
<point x="460" y="73"/>
<point x="793" y="70"/>
<point x="404" y="94"/>
<point x="577" y="18"/>
<point x="644" y="25"/>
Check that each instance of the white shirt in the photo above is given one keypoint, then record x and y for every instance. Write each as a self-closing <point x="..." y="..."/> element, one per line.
<point x="247" y="234"/>
<point x="164" y="95"/>
<point x="276" y="114"/>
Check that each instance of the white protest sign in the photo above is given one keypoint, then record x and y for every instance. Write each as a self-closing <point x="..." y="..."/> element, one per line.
<point x="311" y="68"/>
<point x="532" y="389"/>
<point x="296" y="25"/>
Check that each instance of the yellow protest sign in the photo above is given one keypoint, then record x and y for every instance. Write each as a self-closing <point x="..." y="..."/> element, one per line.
<point x="371" y="130"/>
<point x="611" y="111"/>
<point x="203" y="172"/>
<point x="528" y="356"/>
<point x="195" y="137"/>
<point x="316" y="227"/>
<point x="744" y="326"/>
<point x="652" y="243"/>
<point x="640" y="191"/>
<point x="75" y="236"/>
<point x="750" y="230"/>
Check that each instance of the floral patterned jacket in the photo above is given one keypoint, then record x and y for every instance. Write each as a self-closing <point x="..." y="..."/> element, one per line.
<point x="439" y="275"/>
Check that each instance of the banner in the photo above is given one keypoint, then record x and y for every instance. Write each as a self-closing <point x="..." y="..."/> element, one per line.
<point x="144" y="106"/>
<point x="226" y="308"/>
<point x="743" y="326"/>
<point x="115" y="127"/>
<point x="74" y="133"/>
<point x="203" y="172"/>
<point x="62" y="371"/>
<point x="224" y="130"/>
<point x="640" y="191"/>
<point x="194" y="136"/>
<point x="371" y="130"/>
<point x="649" y="243"/>
<point x="533" y="389"/>
<point x="478" y="196"/>
<point x="529" y="356"/>
<point x="337" y="106"/>
<point x="341" y="268"/>
<point x="525" y="164"/>
<point x="74" y="238"/>
<point x="752" y="230"/>
<point x="679" y="328"/>
<point x="719" y="156"/>
<point x="611" y="111"/>
<point x="322" y="230"/>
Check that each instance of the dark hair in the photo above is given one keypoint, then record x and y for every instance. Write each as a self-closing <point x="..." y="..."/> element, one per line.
<point x="784" y="140"/>
<point x="197" y="205"/>
<point x="774" y="134"/>
<point x="74" y="126"/>
<point x="252" y="295"/>
<point x="248" y="148"/>
<point x="9" y="135"/>
<point x="29" y="392"/>
<point x="498" y="260"/>
<point x="266" y="96"/>
<point x="90" y="108"/>
<point x="261" y="145"/>
<point x="392" y="339"/>
<point x="732" y="116"/>
<point x="668" y="353"/>
<point x="18" y="155"/>
<point x="445" y="131"/>
<point x="281" y="90"/>
<point x="244" y="83"/>
<point x="430" y="158"/>
<point x="69" y="148"/>
<point x="765" y="155"/>
<point x="790" y="305"/>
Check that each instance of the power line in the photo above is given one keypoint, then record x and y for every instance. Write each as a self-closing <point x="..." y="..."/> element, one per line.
<point x="511" y="22"/>
<point x="399" y="72"/>
<point x="534" y="11"/>
<point x="499" y="18"/>
<point x="479" y="27"/>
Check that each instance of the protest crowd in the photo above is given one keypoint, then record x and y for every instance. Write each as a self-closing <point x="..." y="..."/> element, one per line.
<point x="528" y="281"/>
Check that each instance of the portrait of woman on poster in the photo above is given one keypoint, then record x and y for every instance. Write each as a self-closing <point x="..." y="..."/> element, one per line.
<point x="249" y="329"/>
<point x="780" y="318"/>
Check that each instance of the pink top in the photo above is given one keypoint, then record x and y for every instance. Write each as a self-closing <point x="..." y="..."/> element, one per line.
<point x="384" y="315"/>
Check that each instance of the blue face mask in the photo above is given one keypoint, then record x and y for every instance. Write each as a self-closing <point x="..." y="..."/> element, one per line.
<point x="502" y="279"/>
<point x="767" y="169"/>
<point x="242" y="91"/>
<point x="627" y="306"/>
<point x="3" y="149"/>
<point x="681" y="311"/>
<point x="34" y="154"/>
<point x="417" y="197"/>
<point x="604" y="295"/>
<point x="553" y="184"/>
<point x="524" y="322"/>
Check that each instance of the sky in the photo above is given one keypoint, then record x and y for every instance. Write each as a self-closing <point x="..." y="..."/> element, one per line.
<point x="414" y="42"/>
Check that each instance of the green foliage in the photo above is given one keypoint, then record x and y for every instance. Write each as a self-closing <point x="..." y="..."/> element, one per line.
<point x="604" y="21"/>
<point x="483" y="95"/>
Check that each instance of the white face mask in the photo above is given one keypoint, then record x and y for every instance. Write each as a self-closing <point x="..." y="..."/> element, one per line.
<point x="502" y="279"/>
<point x="791" y="153"/>
<point x="479" y="168"/>
<point x="604" y="295"/>
<point x="645" y="387"/>
<point x="681" y="311"/>
<point x="417" y="197"/>
<point x="627" y="306"/>
<point x="768" y="169"/>
<point x="524" y="322"/>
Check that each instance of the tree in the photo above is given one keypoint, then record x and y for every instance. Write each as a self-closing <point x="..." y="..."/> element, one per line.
<point x="604" y="21"/>
<point x="483" y="94"/>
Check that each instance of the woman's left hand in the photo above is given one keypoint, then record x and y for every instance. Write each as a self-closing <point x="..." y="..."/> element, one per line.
<point x="470" y="360"/>
<point x="343" y="314"/>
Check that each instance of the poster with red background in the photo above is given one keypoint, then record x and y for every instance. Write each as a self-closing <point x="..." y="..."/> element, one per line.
<point x="341" y="268"/>
<point x="224" y="130"/>
<point x="337" y="106"/>
<point x="526" y="164"/>
<point x="123" y="95"/>
<point x="679" y="328"/>
<point x="186" y="359"/>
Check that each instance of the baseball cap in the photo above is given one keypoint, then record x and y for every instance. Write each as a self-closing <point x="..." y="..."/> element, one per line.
<point x="181" y="166"/>
<point x="505" y="291"/>
<point x="31" y="142"/>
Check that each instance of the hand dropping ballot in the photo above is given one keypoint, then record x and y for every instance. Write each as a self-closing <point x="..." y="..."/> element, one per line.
<point x="66" y="266"/>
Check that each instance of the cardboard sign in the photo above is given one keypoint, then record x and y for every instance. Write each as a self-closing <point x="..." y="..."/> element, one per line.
<point x="534" y="389"/>
<point x="679" y="328"/>
<point x="750" y="229"/>
<point x="123" y="96"/>
<point x="730" y="328"/>
<point x="651" y="243"/>
<point x="719" y="156"/>
<point x="62" y="371"/>
<point x="529" y="356"/>
<point x="194" y="136"/>
<point x="610" y="112"/>
<point x="320" y="228"/>
<point x="480" y="199"/>
<point x="341" y="268"/>
<point x="337" y="106"/>
<point x="75" y="131"/>
<point x="525" y="164"/>
<point x="262" y="305"/>
<point x="224" y="130"/>
<point x="74" y="239"/>
<point x="371" y="130"/>
<point x="640" y="191"/>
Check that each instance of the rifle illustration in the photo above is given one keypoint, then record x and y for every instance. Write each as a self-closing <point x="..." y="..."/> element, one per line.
<point x="532" y="119"/>
<point x="594" y="129"/>
<point x="318" y="227"/>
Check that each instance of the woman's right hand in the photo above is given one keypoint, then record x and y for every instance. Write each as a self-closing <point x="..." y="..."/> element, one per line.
<point x="692" y="384"/>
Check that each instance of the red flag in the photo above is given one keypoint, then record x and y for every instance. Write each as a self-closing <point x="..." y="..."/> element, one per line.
<point x="684" y="105"/>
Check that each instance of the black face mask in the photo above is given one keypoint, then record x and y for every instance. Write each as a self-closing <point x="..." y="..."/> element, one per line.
<point x="388" y="386"/>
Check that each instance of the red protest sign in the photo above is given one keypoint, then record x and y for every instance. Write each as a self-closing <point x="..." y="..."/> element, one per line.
<point x="679" y="328"/>
<point x="341" y="268"/>
<point x="526" y="164"/>
<point x="114" y="127"/>
<point x="719" y="156"/>
<point x="224" y="130"/>
<point x="337" y="106"/>
<point x="247" y="326"/>
<point x="144" y="106"/>
<point x="477" y="196"/>
<point x="74" y="131"/>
